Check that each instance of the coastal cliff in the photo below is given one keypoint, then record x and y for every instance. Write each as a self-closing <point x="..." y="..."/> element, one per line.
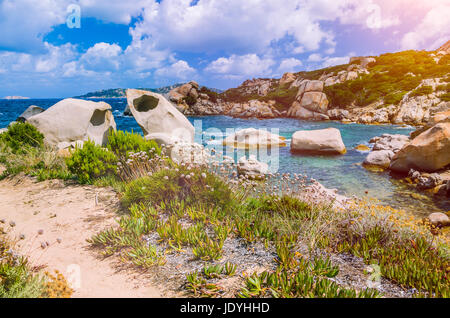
<point x="407" y="87"/>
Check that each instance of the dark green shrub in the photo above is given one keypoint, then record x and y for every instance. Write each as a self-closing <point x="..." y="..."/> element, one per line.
<point x="22" y="134"/>
<point x="393" y="98"/>
<point x="190" y="100"/>
<point x="91" y="162"/>
<point x="423" y="90"/>
<point x="123" y="143"/>
<point x="212" y="95"/>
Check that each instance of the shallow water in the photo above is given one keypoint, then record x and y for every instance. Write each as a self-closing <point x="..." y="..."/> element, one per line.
<point x="342" y="172"/>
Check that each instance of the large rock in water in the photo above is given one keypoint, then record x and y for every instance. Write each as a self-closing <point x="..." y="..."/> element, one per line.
<point x="379" y="158"/>
<point x="30" y="112"/>
<point x="72" y="120"/>
<point x="430" y="151"/>
<point x="253" y="138"/>
<point x="156" y="115"/>
<point x="323" y="141"/>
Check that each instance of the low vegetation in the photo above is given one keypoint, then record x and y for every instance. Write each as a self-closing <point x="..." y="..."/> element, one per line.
<point x="212" y="217"/>
<point x="19" y="280"/>
<point x="389" y="79"/>
<point x="22" y="150"/>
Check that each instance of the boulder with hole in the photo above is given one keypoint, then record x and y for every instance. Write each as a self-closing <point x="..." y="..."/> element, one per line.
<point x="73" y="120"/>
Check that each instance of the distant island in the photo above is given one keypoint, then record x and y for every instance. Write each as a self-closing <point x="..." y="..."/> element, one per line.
<point x="120" y="92"/>
<point x="15" y="97"/>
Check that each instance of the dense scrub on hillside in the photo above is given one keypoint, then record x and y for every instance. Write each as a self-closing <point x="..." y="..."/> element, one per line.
<point x="389" y="79"/>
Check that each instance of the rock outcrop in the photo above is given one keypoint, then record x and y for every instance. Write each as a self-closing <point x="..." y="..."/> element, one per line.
<point x="253" y="138"/>
<point x="379" y="158"/>
<point x="416" y="110"/>
<point x="190" y="89"/>
<point x="430" y="151"/>
<point x="254" y="108"/>
<point x="74" y="120"/>
<point x="29" y="112"/>
<point x="311" y="103"/>
<point x="383" y="150"/>
<point x="439" y="219"/>
<point x="323" y="141"/>
<point x="252" y="168"/>
<point x="444" y="49"/>
<point x="287" y="78"/>
<point x="389" y="142"/>
<point x="156" y="115"/>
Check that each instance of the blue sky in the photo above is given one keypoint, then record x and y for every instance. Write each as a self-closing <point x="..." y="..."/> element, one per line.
<point x="219" y="43"/>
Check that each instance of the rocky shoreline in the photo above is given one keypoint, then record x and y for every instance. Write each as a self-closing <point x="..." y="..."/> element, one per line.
<point x="304" y="96"/>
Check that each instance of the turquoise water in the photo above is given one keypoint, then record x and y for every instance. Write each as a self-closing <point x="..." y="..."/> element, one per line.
<point x="342" y="172"/>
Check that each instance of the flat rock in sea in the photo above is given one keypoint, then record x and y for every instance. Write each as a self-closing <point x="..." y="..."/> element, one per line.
<point x="322" y="141"/>
<point x="250" y="138"/>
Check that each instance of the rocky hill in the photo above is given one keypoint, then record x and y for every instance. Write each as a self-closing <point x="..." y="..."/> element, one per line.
<point x="120" y="92"/>
<point x="405" y="87"/>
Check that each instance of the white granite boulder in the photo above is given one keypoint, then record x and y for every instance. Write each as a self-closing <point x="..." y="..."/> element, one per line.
<point x="322" y="141"/>
<point x="156" y="115"/>
<point x="253" y="138"/>
<point x="73" y="120"/>
<point x="252" y="168"/>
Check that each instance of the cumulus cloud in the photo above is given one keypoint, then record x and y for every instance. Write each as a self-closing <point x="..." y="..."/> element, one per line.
<point x="179" y="70"/>
<point x="240" y="66"/>
<point x="433" y="30"/>
<point x="23" y="23"/>
<point x="102" y="57"/>
<point x="236" y="39"/>
<point x="332" y="61"/>
<point x="290" y="65"/>
<point x="315" y="57"/>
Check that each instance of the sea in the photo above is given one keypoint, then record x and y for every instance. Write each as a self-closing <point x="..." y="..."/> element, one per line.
<point x="344" y="172"/>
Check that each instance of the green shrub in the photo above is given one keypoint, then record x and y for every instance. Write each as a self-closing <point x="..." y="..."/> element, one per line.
<point x="190" y="100"/>
<point x="212" y="95"/>
<point x="423" y="90"/>
<point x="91" y="162"/>
<point x="394" y="98"/>
<point x="122" y="143"/>
<point x="16" y="279"/>
<point x="21" y="135"/>
<point x="194" y="186"/>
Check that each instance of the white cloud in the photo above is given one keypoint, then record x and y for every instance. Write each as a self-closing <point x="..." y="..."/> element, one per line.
<point x="315" y="57"/>
<point x="289" y="65"/>
<point x="240" y="66"/>
<point x="179" y="70"/>
<point x="23" y="23"/>
<point x="331" y="61"/>
<point x="116" y="11"/>
<point x="102" y="57"/>
<point x="434" y="30"/>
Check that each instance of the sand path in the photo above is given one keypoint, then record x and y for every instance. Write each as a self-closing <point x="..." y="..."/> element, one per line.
<point x="72" y="213"/>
